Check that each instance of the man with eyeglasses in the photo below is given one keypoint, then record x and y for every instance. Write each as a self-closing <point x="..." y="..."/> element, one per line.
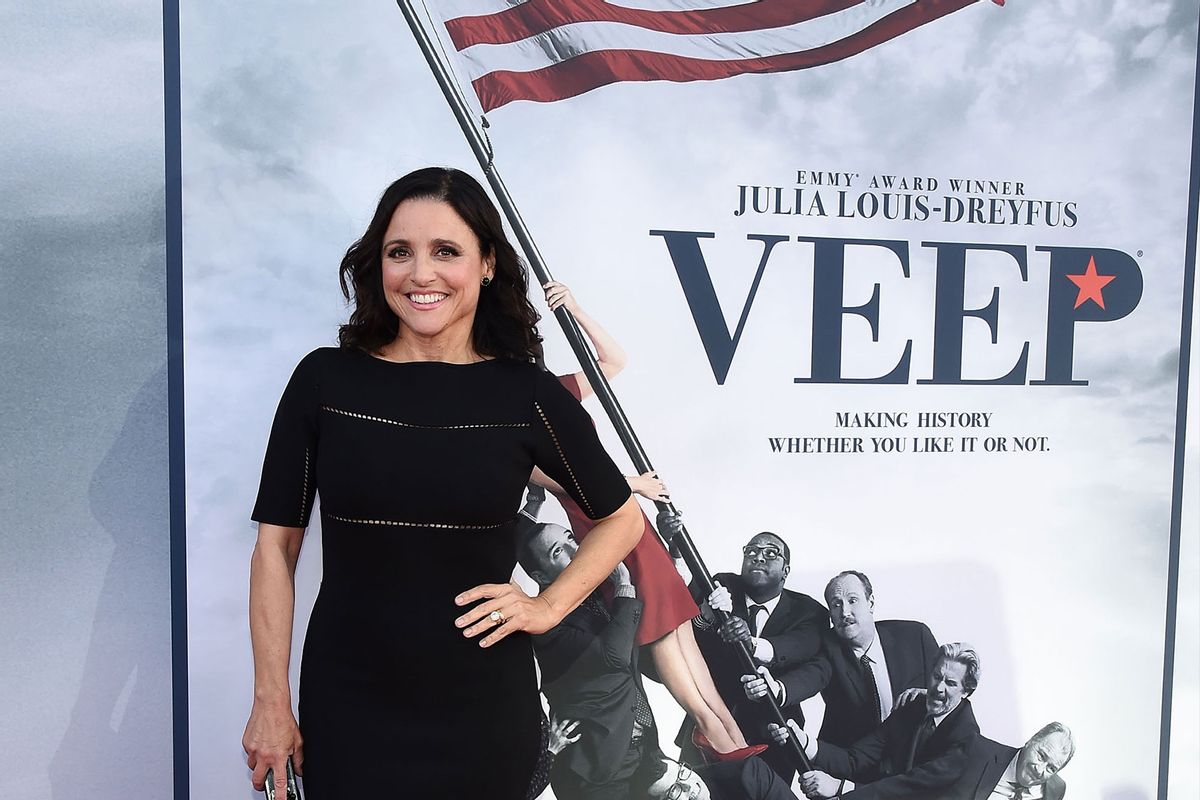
<point x="678" y="781"/>
<point x="750" y="779"/>
<point x="781" y="627"/>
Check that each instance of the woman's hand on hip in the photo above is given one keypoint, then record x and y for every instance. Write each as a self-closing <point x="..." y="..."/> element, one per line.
<point x="271" y="736"/>
<point x="505" y="609"/>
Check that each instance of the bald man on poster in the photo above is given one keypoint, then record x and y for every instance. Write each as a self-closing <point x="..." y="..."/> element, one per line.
<point x="865" y="668"/>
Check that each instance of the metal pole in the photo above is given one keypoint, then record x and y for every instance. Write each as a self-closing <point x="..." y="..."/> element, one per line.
<point x="682" y="541"/>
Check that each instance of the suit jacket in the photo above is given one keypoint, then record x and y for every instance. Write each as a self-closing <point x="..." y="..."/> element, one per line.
<point x="850" y="714"/>
<point x="794" y="630"/>
<point x="749" y="779"/>
<point x="889" y="763"/>
<point x="986" y="762"/>
<point x="589" y="673"/>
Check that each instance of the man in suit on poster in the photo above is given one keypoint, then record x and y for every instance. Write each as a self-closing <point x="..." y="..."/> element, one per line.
<point x="590" y="674"/>
<point x="998" y="772"/>
<point x="919" y="752"/>
<point x="748" y="779"/>
<point x="864" y="668"/>
<point x="781" y="627"/>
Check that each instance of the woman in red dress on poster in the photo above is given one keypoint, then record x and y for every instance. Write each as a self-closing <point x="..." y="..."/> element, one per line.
<point x="666" y="626"/>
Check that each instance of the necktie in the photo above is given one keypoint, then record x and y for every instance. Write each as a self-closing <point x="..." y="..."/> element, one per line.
<point x="754" y="609"/>
<point x="923" y="733"/>
<point x="869" y="676"/>
<point x="1019" y="792"/>
<point x="641" y="711"/>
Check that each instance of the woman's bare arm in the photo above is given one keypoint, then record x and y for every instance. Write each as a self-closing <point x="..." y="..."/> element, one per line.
<point x="271" y="732"/>
<point x="609" y="354"/>
<point x="546" y="482"/>
<point x="606" y="544"/>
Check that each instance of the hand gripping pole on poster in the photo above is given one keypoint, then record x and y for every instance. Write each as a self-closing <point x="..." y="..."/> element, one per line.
<point x="482" y="147"/>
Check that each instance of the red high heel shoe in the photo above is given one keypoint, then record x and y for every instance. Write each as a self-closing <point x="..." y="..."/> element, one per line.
<point x="705" y="746"/>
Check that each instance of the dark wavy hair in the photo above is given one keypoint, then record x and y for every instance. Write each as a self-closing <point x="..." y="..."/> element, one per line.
<point x="505" y="324"/>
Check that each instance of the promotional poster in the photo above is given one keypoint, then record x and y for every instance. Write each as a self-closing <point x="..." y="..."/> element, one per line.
<point x="901" y="282"/>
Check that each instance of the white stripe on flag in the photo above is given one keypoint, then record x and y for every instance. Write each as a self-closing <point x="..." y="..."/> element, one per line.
<point x="682" y="5"/>
<point x="566" y="42"/>
<point x="449" y="9"/>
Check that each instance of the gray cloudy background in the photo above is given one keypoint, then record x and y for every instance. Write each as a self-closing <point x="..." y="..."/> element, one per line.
<point x="297" y="115"/>
<point x="85" y="629"/>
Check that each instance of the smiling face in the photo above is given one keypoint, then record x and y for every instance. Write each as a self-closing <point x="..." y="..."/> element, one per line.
<point x="851" y="611"/>
<point x="1042" y="757"/>
<point x="678" y="783"/>
<point x="946" y="687"/>
<point x="432" y="272"/>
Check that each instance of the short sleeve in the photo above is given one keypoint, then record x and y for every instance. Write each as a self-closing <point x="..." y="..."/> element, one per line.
<point x="568" y="450"/>
<point x="288" y="485"/>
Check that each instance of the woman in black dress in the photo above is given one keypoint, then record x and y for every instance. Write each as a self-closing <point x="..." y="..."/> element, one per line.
<point x="417" y="678"/>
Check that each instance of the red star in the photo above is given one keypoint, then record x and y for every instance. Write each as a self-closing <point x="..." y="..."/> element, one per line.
<point x="1090" y="284"/>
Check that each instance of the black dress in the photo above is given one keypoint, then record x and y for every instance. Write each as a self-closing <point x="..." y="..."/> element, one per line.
<point x="420" y="468"/>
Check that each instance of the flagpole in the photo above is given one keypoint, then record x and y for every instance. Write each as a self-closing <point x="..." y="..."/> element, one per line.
<point x="681" y="541"/>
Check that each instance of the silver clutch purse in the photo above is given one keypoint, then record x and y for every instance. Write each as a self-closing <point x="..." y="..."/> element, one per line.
<point x="293" y="788"/>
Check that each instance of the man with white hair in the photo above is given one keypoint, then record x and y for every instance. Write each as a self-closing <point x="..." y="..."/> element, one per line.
<point x="920" y="750"/>
<point x="998" y="772"/>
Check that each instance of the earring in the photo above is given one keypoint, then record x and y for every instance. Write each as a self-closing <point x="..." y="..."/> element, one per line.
<point x="487" y="280"/>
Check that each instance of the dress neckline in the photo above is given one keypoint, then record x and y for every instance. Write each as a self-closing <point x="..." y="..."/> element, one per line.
<point x="383" y="360"/>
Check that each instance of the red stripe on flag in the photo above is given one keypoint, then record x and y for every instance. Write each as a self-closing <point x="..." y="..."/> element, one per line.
<point x="538" y="16"/>
<point x="601" y="67"/>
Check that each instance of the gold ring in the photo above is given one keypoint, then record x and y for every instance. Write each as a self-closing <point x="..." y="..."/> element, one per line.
<point x="496" y="617"/>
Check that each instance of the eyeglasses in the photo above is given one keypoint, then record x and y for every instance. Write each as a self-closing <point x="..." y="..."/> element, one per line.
<point x="681" y="786"/>
<point x="768" y="552"/>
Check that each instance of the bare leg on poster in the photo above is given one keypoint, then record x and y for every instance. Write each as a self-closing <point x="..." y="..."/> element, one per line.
<point x="685" y="674"/>
<point x="676" y="655"/>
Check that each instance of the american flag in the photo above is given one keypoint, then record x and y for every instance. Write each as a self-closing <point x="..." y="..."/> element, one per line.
<point x="546" y="50"/>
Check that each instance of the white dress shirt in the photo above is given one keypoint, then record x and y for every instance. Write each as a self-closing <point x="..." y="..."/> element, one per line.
<point x="764" y="653"/>
<point x="1006" y="787"/>
<point x="937" y="720"/>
